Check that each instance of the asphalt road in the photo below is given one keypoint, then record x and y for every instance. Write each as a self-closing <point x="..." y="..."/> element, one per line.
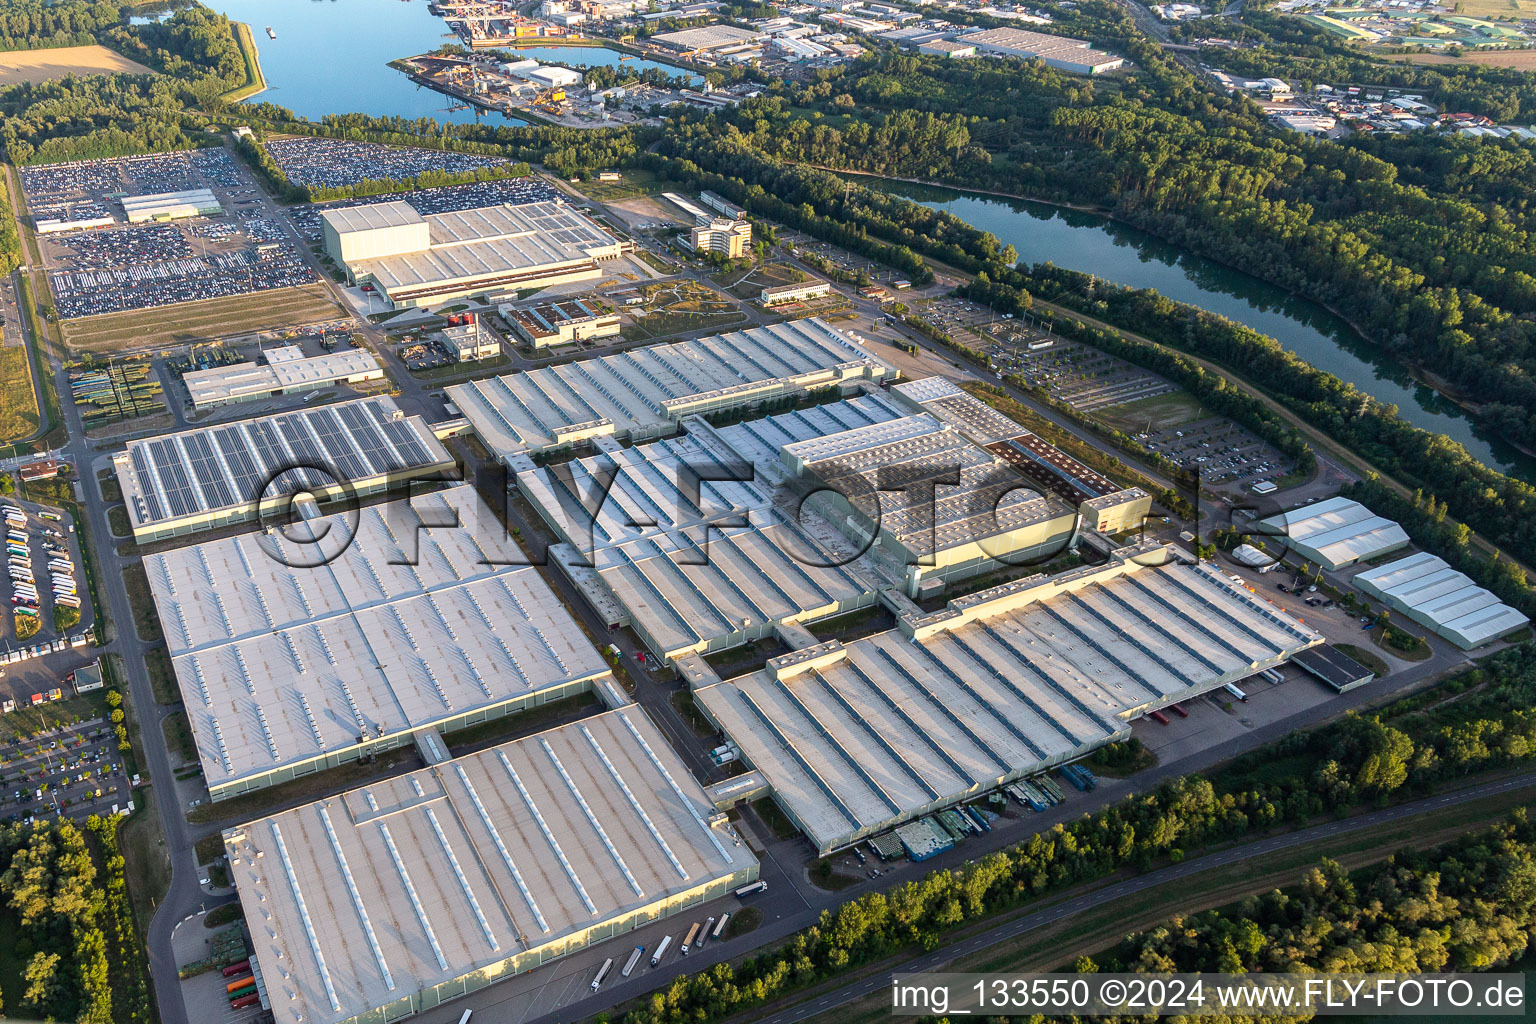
<point x="1118" y="892"/>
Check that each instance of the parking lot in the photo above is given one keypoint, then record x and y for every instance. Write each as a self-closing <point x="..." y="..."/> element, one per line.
<point x="1224" y="452"/>
<point x="73" y="772"/>
<point x="79" y="190"/>
<point x="42" y="581"/>
<point x="112" y="269"/>
<point x="337" y="163"/>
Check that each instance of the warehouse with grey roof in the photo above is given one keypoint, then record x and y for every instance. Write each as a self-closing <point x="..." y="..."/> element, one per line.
<point x="298" y="650"/>
<point x="403" y="894"/>
<point x="644" y="393"/>
<point x="855" y="738"/>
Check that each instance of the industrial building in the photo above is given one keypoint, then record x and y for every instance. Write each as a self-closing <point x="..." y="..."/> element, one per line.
<point x="547" y="324"/>
<point x="856" y="738"/>
<point x="705" y="39"/>
<point x="1057" y="52"/>
<point x="946" y="48"/>
<point x="938" y="506"/>
<point x="1336" y="533"/>
<point x="1428" y="591"/>
<point x="164" y="206"/>
<point x="343" y="635"/>
<point x="195" y="480"/>
<point x="287" y="370"/>
<point x="730" y="238"/>
<point x="722" y="205"/>
<point x="403" y="894"/>
<point x="687" y="547"/>
<point x="417" y="260"/>
<point x="691" y="209"/>
<point x="778" y="294"/>
<point x="645" y="393"/>
<point x="468" y="343"/>
<point x="1103" y="504"/>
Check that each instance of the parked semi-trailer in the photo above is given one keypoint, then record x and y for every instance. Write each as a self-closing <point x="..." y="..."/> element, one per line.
<point x="661" y="950"/>
<point x="693" y="933"/>
<point x="634" y="958"/>
<point x="602" y="972"/>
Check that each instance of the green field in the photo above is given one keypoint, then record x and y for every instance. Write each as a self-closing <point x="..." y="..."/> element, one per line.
<point x="1160" y="411"/>
<point x="637" y="182"/>
<point x="18" y="402"/>
<point x="148" y="329"/>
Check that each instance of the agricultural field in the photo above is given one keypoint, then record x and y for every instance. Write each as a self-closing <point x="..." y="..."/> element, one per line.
<point x="164" y="326"/>
<point x="18" y="401"/>
<point x="636" y="182"/>
<point x="1520" y="60"/>
<point x="45" y="65"/>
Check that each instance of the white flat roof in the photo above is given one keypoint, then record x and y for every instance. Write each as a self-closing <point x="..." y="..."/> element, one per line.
<point x="637" y="390"/>
<point x="401" y="885"/>
<point x="1002" y="683"/>
<point x="1442" y="598"/>
<point x="375" y="215"/>
<point x="1339" y="530"/>
<point x="281" y="659"/>
<point x="965" y="412"/>
<point x="491" y="240"/>
<point x="211" y="469"/>
<point x="284" y="373"/>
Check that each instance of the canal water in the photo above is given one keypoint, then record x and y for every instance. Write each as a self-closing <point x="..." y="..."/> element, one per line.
<point x="1123" y="255"/>
<point x="332" y="56"/>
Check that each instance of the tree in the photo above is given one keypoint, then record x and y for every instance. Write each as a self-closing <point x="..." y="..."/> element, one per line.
<point x="41" y="974"/>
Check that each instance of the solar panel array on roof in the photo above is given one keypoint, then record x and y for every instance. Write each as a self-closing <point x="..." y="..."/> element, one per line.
<point x="212" y="469"/>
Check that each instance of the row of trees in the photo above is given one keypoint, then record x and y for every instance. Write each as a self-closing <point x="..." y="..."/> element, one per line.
<point x="1415" y="743"/>
<point x="1466" y="906"/>
<point x="1499" y="507"/>
<point x="48" y="884"/>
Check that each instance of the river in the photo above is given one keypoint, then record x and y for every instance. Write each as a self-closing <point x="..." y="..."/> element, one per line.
<point x="1124" y="255"/>
<point x="332" y="57"/>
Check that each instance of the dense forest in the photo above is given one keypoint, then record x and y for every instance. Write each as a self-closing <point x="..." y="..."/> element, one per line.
<point x="76" y="118"/>
<point x="1466" y="906"/>
<point x="71" y="924"/>
<point x="35" y="25"/>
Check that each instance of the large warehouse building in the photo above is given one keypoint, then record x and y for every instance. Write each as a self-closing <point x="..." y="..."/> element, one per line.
<point x="282" y="374"/>
<point x="404" y="894"/>
<point x="295" y="657"/>
<point x="1103" y="504"/>
<point x="1057" y="52"/>
<point x="217" y="476"/>
<point x="856" y="738"/>
<point x="1337" y="533"/>
<point x="419" y="260"/>
<point x="940" y="506"/>
<point x="1437" y="597"/>
<point x="164" y="206"/>
<point x="684" y="587"/>
<point x="645" y="393"/>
